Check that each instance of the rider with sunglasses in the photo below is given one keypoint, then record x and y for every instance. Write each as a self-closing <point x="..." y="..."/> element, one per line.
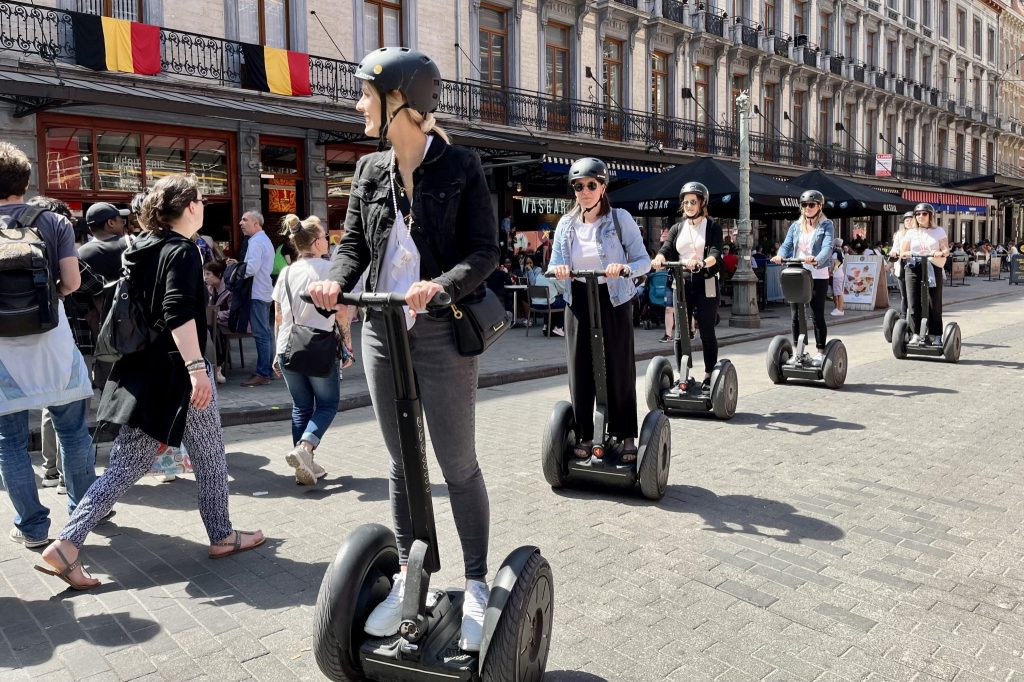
<point x="810" y="240"/>
<point x="926" y="240"/>
<point x="698" y="242"/>
<point x="594" y="236"/>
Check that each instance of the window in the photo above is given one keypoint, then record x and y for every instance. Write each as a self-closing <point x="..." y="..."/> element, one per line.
<point x="557" y="83"/>
<point x="890" y="56"/>
<point x="700" y="93"/>
<point x="382" y="24"/>
<point x="908" y="63"/>
<point x="992" y="98"/>
<point x="926" y="133"/>
<point x="975" y="156"/>
<point x="961" y="28"/>
<point x="848" y="125"/>
<point x="799" y="12"/>
<point x="926" y="12"/>
<point x="825" y="122"/>
<point x="926" y="70"/>
<point x="659" y="84"/>
<point x="826" y="31"/>
<point x="870" y="51"/>
<point x="961" y="86"/>
<point x="977" y="37"/>
<point x="130" y="10"/>
<point x="978" y="101"/>
<point x="493" y="42"/>
<point x="941" y="145"/>
<point x="944" y="78"/>
<point x="908" y="8"/>
<point x="890" y="133"/>
<point x="769" y="105"/>
<point x="611" y="70"/>
<point x="869" y="129"/>
<point x="769" y="14"/>
<point x="944" y="18"/>
<point x="798" y="108"/>
<point x="991" y="33"/>
<point x="851" y="41"/>
<point x="739" y="84"/>
<point x="263" y="22"/>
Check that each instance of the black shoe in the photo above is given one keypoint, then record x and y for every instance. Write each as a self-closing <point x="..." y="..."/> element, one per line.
<point x="665" y="339"/>
<point x="705" y="385"/>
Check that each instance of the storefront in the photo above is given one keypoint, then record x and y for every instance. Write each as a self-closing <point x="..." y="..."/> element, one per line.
<point x="341" y="167"/>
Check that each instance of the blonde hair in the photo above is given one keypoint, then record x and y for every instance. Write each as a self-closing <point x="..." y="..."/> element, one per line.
<point x="301" y="233"/>
<point x="817" y="221"/>
<point x="426" y="123"/>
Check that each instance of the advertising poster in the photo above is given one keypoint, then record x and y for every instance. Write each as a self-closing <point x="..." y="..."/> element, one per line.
<point x="865" y="282"/>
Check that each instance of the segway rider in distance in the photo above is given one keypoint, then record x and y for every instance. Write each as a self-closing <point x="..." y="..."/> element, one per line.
<point x="909" y="223"/>
<point x="926" y="240"/>
<point x="420" y="222"/>
<point x="697" y="241"/>
<point x="809" y="239"/>
<point x="594" y="236"/>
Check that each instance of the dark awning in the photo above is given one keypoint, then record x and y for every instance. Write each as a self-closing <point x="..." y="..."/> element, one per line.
<point x="848" y="199"/>
<point x="1000" y="186"/>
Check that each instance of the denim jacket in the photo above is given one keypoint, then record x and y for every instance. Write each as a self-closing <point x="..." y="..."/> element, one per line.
<point x="629" y="251"/>
<point x="821" y="242"/>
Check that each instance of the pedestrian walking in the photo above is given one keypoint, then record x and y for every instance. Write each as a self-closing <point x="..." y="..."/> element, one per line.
<point x="164" y="393"/>
<point x="259" y="263"/>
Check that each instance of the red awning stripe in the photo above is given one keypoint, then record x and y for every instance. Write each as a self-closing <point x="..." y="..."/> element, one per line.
<point x="917" y="196"/>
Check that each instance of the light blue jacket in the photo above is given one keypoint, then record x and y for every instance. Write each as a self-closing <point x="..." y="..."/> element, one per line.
<point x="629" y="251"/>
<point x="821" y="242"/>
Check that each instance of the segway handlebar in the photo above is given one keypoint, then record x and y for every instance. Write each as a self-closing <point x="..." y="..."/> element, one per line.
<point x="794" y="261"/>
<point x="682" y="265"/>
<point x="366" y="299"/>
<point x="589" y="273"/>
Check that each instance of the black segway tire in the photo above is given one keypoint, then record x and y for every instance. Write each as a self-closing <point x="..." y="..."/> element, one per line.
<point x="518" y="649"/>
<point x="900" y="337"/>
<point x="659" y="380"/>
<point x="559" y="439"/>
<point x="357" y="580"/>
<point x="833" y="369"/>
<point x="891" y="315"/>
<point x="655" y="455"/>
<point x="951" y="343"/>
<point x="779" y="352"/>
<point x="725" y="390"/>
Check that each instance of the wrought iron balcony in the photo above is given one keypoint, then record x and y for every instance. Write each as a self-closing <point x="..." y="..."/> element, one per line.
<point x="835" y="64"/>
<point x="714" y="21"/>
<point x="628" y="3"/>
<point x="676" y="11"/>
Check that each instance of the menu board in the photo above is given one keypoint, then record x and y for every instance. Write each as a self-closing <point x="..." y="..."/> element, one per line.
<point x="865" y="283"/>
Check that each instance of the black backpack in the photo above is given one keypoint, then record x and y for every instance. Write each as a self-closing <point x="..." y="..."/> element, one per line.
<point x="28" y="290"/>
<point x="125" y="329"/>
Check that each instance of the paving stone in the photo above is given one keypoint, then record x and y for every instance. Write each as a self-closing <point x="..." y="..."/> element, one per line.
<point x="846" y="617"/>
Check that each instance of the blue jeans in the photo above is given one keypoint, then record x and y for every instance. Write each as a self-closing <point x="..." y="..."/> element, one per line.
<point x="30" y="516"/>
<point x="259" y="319"/>
<point x="314" y="403"/>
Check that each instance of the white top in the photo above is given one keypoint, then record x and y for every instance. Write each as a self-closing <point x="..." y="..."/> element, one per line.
<point x="897" y="242"/>
<point x="259" y="263"/>
<point x="584" y="254"/>
<point x="691" y="240"/>
<point x="803" y="250"/>
<point x="923" y="241"/>
<point x="299" y="275"/>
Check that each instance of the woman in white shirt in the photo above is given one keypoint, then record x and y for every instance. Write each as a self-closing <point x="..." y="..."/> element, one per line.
<point x="925" y="240"/>
<point x="314" y="399"/>
<point x="909" y="223"/>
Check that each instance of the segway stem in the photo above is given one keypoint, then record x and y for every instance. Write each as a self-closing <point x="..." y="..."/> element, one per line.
<point x="683" y="347"/>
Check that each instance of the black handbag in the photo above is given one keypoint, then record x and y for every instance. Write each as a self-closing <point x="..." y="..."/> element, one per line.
<point x="477" y="325"/>
<point x="309" y="351"/>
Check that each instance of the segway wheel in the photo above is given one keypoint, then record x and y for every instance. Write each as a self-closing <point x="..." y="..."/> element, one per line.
<point x="900" y="337"/>
<point x="659" y="380"/>
<point x="951" y="343"/>
<point x="725" y="390"/>
<point x="518" y="650"/>
<point x="891" y="315"/>
<point x="833" y="369"/>
<point x="779" y="352"/>
<point x="655" y="455"/>
<point x="358" y="580"/>
<point x="559" y="439"/>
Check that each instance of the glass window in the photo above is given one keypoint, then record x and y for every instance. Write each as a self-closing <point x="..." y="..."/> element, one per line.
<point x="961" y="28"/>
<point x="557" y="60"/>
<point x="659" y="84"/>
<point x="613" y="71"/>
<point x="700" y="93"/>
<point x="117" y="161"/>
<point x="165" y="154"/>
<point x="977" y="37"/>
<point x="280" y="159"/>
<point x="130" y="10"/>
<point x="263" y="22"/>
<point x="493" y="39"/>
<point x="69" y="158"/>
<point x="208" y="160"/>
<point x="382" y="23"/>
<point x="991" y="45"/>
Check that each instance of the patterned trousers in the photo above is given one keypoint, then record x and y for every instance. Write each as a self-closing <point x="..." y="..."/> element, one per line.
<point x="132" y="456"/>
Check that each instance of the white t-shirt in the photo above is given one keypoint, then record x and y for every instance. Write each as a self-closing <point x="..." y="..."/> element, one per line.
<point x="259" y="263"/>
<point x="299" y="275"/>
<point x="584" y="255"/>
<point x="925" y="240"/>
<point x="691" y="240"/>
<point x="897" y="243"/>
<point x="803" y="250"/>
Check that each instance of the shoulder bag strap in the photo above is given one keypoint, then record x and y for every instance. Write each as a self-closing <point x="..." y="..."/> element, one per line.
<point x="291" y="302"/>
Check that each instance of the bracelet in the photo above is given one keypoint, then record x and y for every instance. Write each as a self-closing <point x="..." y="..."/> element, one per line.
<point x="197" y="361"/>
<point x="197" y="370"/>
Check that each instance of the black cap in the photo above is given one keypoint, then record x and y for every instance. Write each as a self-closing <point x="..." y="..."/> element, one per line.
<point x="99" y="213"/>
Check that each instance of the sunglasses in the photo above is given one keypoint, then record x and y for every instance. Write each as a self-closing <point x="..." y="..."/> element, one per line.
<point x="690" y="202"/>
<point x="579" y="186"/>
<point x="922" y="213"/>
<point x="808" y="205"/>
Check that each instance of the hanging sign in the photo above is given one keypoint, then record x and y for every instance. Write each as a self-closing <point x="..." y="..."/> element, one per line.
<point x="883" y="164"/>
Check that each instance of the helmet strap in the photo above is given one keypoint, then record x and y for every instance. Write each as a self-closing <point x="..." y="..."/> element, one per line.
<point x="385" y="121"/>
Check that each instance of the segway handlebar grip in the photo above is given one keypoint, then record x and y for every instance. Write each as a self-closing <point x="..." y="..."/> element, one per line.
<point x="441" y="300"/>
<point x="681" y="264"/>
<point x="589" y="273"/>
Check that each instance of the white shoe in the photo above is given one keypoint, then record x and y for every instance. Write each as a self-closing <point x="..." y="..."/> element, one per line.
<point x="301" y="460"/>
<point x="915" y="339"/>
<point x="219" y="376"/>
<point x="384" y="620"/>
<point x="837" y="313"/>
<point x="559" y="331"/>
<point x="818" y="360"/>
<point x="473" y="607"/>
<point x="318" y="471"/>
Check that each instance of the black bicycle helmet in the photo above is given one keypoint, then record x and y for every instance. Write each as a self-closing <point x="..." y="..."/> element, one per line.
<point x="813" y="195"/>
<point x="695" y="188"/>
<point x="411" y="73"/>
<point x="588" y="167"/>
<point x="924" y="207"/>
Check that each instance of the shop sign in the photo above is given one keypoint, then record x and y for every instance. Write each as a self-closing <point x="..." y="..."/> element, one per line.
<point x="544" y="205"/>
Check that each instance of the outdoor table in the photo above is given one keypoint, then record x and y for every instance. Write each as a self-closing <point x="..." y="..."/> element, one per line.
<point x="515" y="289"/>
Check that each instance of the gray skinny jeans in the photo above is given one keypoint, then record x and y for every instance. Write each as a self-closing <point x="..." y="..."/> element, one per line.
<point x="447" y="386"/>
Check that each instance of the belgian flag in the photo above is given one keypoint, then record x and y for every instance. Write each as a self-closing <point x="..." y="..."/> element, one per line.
<point x="271" y="69"/>
<point x="105" y="44"/>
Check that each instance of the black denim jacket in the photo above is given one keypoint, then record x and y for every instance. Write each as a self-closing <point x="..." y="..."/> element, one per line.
<point x="456" y="230"/>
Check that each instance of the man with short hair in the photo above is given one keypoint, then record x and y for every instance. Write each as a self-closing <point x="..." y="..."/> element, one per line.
<point x="259" y="263"/>
<point x="103" y="253"/>
<point x="42" y="370"/>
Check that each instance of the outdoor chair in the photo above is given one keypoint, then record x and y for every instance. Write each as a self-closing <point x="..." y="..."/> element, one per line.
<point x="550" y="309"/>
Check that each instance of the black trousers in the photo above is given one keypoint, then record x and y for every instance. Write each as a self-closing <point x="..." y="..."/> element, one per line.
<point x="705" y="310"/>
<point x="620" y="361"/>
<point x="818" y="296"/>
<point x="901" y="282"/>
<point x="913" y="275"/>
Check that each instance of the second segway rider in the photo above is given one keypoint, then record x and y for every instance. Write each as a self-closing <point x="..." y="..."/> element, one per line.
<point x="926" y="240"/>
<point x="420" y="222"/>
<point x="908" y="223"/>
<point x="810" y="239"/>
<point x="697" y="241"/>
<point x="594" y="236"/>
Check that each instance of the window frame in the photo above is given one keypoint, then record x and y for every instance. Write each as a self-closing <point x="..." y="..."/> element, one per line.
<point x="106" y="8"/>
<point x="657" y="74"/>
<point x="606" y="70"/>
<point x="481" y="29"/>
<point x="381" y="5"/>
<point x="961" y="29"/>
<point x="550" y="47"/>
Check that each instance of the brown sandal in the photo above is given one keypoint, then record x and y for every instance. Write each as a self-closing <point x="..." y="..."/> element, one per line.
<point x="582" y="450"/>
<point x="65" y="575"/>
<point x="236" y="544"/>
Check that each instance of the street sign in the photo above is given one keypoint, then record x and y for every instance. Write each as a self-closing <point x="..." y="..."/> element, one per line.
<point x="883" y="164"/>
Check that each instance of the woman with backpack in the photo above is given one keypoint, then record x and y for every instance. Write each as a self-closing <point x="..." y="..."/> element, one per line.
<point x="594" y="236"/>
<point x="165" y="392"/>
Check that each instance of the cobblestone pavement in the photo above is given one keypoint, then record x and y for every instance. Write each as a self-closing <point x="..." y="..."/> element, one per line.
<point x="868" y="534"/>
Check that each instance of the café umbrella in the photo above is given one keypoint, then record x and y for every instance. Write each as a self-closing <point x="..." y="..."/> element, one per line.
<point x="848" y="199"/>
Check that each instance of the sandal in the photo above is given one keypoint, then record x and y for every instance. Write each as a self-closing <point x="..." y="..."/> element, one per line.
<point x="236" y="544"/>
<point x="65" y="574"/>
<point x="582" y="450"/>
<point x="628" y="455"/>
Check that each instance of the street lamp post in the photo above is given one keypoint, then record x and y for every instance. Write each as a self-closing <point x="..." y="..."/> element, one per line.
<point x="744" y="281"/>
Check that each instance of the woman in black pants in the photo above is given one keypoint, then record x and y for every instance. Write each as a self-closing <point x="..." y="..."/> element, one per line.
<point x="810" y="240"/>
<point x="594" y="236"/>
<point x="697" y="241"/>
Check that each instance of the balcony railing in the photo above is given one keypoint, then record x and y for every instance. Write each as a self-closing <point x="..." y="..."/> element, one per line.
<point x="714" y="22"/>
<point x="835" y="64"/>
<point x="858" y="73"/>
<point x="676" y="11"/>
<point x="627" y="3"/>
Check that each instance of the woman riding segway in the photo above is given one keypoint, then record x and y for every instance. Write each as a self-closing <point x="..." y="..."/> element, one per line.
<point x="594" y="236"/>
<point x="810" y="240"/>
<point x="926" y="240"/>
<point x="697" y="241"/>
<point x="891" y="315"/>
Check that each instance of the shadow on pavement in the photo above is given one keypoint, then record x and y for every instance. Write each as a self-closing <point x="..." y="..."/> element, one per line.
<point x="750" y="515"/>
<point x="33" y="645"/>
<point x="805" y="424"/>
<point x="984" y="346"/>
<point x="369" y="489"/>
<point x="897" y="390"/>
<point x="571" y="676"/>
<point x="998" y="364"/>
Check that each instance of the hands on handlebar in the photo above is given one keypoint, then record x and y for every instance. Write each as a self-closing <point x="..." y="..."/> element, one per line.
<point x="326" y="296"/>
<point x="563" y="272"/>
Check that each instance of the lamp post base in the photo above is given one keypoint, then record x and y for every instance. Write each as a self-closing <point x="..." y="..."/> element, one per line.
<point x="744" y="303"/>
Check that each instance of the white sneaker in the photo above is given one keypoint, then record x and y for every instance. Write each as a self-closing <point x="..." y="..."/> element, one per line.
<point x="318" y="471"/>
<point x="473" y="607"/>
<point x="559" y="331"/>
<point x="301" y="460"/>
<point x="838" y="313"/>
<point x="219" y="376"/>
<point x="818" y="360"/>
<point x="384" y="620"/>
<point x="915" y="339"/>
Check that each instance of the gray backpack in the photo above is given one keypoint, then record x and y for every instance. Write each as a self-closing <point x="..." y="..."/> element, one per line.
<point x="28" y="290"/>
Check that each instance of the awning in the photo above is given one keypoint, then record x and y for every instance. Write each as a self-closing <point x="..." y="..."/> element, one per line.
<point x="621" y="170"/>
<point x="948" y="202"/>
<point x="1000" y="186"/>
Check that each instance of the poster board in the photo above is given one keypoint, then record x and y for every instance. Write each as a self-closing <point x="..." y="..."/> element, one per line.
<point x="865" y="283"/>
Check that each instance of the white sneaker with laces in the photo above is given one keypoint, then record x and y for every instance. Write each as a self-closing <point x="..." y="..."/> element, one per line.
<point x="838" y="313"/>
<point x="915" y="339"/>
<point x="474" y="605"/>
<point x="301" y="460"/>
<point x="818" y="360"/>
<point x="384" y="620"/>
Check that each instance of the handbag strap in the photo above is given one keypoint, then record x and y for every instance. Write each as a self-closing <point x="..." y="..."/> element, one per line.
<point x="403" y="206"/>
<point x="288" y="293"/>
